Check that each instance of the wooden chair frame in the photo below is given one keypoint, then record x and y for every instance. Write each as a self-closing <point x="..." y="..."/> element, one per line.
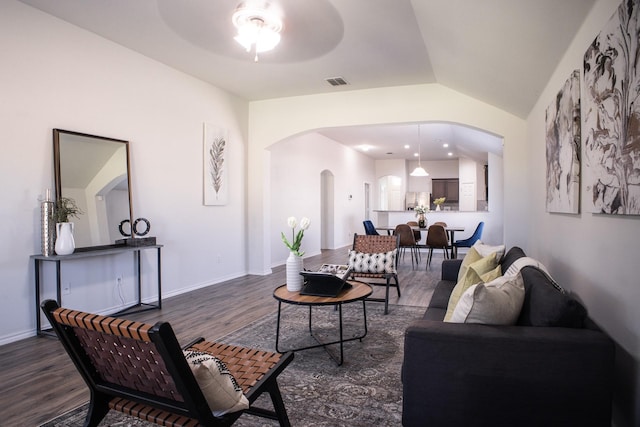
<point x="148" y="377"/>
<point x="378" y="244"/>
<point x="437" y="239"/>
<point x="407" y="239"/>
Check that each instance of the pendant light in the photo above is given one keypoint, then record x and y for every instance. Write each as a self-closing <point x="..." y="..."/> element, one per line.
<point x="419" y="171"/>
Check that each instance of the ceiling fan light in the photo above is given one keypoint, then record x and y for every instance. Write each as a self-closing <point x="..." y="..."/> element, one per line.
<point x="258" y="28"/>
<point x="267" y="40"/>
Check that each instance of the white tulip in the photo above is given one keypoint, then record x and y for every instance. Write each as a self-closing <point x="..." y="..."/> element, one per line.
<point x="304" y="223"/>
<point x="291" y="221"/>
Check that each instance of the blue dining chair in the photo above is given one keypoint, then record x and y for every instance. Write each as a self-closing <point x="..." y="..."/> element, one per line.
<point x="369" y="228"/>
<point x="467" y="243"/>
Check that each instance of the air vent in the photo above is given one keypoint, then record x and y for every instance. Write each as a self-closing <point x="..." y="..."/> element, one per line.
<point x="336" y="81"/>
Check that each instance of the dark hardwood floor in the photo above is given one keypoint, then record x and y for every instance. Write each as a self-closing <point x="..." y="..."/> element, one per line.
<point x="38" y="381"/>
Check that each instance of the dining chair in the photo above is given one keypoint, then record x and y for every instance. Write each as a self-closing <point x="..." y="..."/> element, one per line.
<point x="468" y="242"/>
<point x="369" y="228"/>
<point x="417" y="234"/>
<point x="407" y="241"/>
<point x="444" y="224"/>
<point x="437" y="239"/>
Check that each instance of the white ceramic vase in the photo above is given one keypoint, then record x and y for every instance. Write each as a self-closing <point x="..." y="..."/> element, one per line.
<point x="437" y="207"/>
<point x="294" y="267"/>
<point x="65" y="244"/>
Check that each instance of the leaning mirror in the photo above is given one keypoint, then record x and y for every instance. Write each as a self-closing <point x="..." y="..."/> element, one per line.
<point x="94" y="171"/>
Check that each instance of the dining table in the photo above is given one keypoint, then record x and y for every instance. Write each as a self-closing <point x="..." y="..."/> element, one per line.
<point x="449" y="229"/>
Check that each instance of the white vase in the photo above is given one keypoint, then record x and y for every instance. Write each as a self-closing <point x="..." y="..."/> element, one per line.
<point x="65" y="244"/>
<point x="437" y="207"/>
<point x="294" y="267"/>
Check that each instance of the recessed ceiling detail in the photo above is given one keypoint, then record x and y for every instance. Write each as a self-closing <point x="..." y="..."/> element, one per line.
<point x="304" y="36"/>
<point x="376" y="43"/>
<point x="387" y="140"/>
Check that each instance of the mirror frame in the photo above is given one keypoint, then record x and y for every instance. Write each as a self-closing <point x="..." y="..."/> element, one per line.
<point x="57" y="168"/>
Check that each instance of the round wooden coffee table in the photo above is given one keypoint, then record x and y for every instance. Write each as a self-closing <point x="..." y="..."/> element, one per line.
<point x="358" y="292"/>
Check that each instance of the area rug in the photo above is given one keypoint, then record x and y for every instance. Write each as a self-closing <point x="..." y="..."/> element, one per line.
<point x="365" y="391"/>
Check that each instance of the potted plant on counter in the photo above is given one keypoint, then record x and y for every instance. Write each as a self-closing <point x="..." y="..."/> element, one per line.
<point x="64" y="209"/>
<point x="438" y="202"/>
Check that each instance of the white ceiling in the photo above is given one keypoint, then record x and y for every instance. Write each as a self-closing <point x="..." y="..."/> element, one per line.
<point x="501" y="52"/>
<point x="389" y="141"/>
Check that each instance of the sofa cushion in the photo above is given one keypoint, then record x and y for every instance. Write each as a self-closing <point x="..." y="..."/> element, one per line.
<point x="473" y="275"/>
<point x="544" y="305"/>
<point x="512" y="254"/>
<point x="441" y="295"/>
<point x="524" y="261"/>
<point x="494" y="303"/>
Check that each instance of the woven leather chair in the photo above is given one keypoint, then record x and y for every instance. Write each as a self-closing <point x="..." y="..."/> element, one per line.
<point x="140" y="370"/>
<point x="372" y="245"/>
<point x="437" y="239"/>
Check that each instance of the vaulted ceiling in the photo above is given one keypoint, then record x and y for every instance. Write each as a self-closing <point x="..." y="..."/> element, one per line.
<point x="501" y="52"/>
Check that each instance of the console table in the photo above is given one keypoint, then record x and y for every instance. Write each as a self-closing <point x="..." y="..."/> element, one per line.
<point x="96" y="252"/>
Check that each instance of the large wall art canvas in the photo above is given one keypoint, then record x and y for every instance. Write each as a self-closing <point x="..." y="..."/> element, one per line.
<point x="612" y="115"/>
<point x="563" y="148"/>
<point x="216" y="186"/>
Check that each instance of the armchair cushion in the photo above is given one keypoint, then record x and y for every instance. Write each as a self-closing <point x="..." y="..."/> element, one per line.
<point x="384" y="262"/>
<point x="219" y="387"/>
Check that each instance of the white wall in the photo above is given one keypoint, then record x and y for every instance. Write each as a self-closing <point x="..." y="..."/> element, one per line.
<point x="55" y="75"/>
<point x="295" y="174"/>
<point x="273" y="120"/>
<point x="593" y="255"/>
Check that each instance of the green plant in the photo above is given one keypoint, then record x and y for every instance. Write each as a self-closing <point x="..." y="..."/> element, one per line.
<point x="439" y="201"/>
<point x="64" y="209"/>
<point x="294" y="245"/>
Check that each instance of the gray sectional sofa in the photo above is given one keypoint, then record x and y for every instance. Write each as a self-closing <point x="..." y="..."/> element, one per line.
<point x="553" y="368"/>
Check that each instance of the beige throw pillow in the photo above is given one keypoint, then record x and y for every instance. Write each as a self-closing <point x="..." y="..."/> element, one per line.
<point x="473" y="274"/>
<point x="485" y="250"/>
<point x="495" y="303"/>
<point x="218" y="385"/>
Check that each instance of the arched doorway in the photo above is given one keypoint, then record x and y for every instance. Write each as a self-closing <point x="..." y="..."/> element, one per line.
<point x="327" y="210"/>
